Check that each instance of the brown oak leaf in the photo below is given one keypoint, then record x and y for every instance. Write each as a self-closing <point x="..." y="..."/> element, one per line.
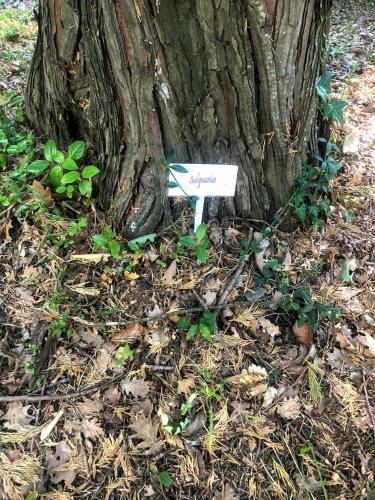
<point x="137" y="386"/>
<point x="18" y="413"/>
<point x="131" y="333"/>
<point x="147" y="432"/>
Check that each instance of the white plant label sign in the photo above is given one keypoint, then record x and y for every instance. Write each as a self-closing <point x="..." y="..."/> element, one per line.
<point x="203" y="180"/>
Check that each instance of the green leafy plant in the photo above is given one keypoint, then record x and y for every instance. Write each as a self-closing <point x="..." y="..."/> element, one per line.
<point x="13" y="140"/>
<point x="307" y="310"/>
<point x="125" y="354"/>
<point x="198" y="242"/>
<point x="108" y="240"/>
<point x="170" y="168"/>
<point x="332" y="108"/>
<point x="64" y="239"/>
<point x="60" y="326"/>
<point x="206" y="326"/>
<point x="136" y="244"/>
<point x="311" y="201"/>
<point x="164" y="477"/>
<point x="64" y="173"/>
<point x="308" y="453"/>
<point x="12" y="34"/>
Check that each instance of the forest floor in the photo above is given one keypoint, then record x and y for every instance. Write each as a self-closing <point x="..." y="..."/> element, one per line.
<point x="102" y="395"/>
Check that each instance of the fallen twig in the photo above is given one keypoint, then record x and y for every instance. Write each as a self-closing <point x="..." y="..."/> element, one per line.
<point x="232" y="283"/>
<point x="60" y="397"/>
<point x="369" y="408"/>
<point x="154" y="318"/>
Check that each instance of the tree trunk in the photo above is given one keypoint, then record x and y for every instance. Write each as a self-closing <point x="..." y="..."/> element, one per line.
<point x="217" y="81"/>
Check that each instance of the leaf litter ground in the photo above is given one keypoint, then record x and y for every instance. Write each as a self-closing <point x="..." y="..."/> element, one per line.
<point x="122" y="408"/>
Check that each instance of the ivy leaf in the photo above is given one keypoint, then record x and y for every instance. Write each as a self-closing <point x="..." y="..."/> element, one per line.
<point x="192" y="331"/>
<point x="90" y="171"/>
<point x="76" y="150"/>
<point x="172" y="185"/>
<point x="38" y="166"/>
<point x="179" y="168"/>
<point x="301" y="212"/>
<point x="49" y="150"/>
<point x="70" y="177"/>
<point x="334" y="108"/>
<point x="61" y="189"/>
<point x="323" y="87"/>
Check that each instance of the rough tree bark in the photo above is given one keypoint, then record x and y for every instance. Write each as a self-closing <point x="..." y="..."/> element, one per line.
<point x="230" y="81"/>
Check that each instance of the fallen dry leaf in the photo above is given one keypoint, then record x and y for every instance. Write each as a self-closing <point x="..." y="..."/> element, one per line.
<point x="147" y="431"/>
<point x="262" y="243"/>
<point x="289" y="408"/>
<point x="351" y="142"/>
<point x="185" y="386"/>
<point x="91" y="337"/>
<point x="254" y="376"/>
<point x="226" y="494"/>
<point x="113" y="395"/>
<point x="17" y="413"/>
<point x="90" y="258"/>
<point x="131" y="276"/>
<point x="268" y="327"/>
<point x="368" y="341"/>
<point x="130" y="334"/>
<point x="231" y="234"/>
<point x="43" y="193"/>
<point x="89" y="427"/>
<point x="90" y="406"/>
<point x="209" y="298"/>
<point x="82" y="289"/>
<point x="304" y="333"/>
<point x="30" y="272"/>
<point x="138" y="387"/>
<point x="170" y="272"/>
<point x="58" y="464"/>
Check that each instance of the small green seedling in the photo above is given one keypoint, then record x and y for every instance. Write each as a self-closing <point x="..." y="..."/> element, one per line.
<point x="206" y="326"/>
<point x="75" y="227"/>
<point x="164" y="477"/>
<point x="125" y="354"/>
<point x="59" y="327"/>
<point x="63" y="171"/>
<point x="30" y="367"/>
<point x="198" y="242"/>
<point x="108" y="240"/>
